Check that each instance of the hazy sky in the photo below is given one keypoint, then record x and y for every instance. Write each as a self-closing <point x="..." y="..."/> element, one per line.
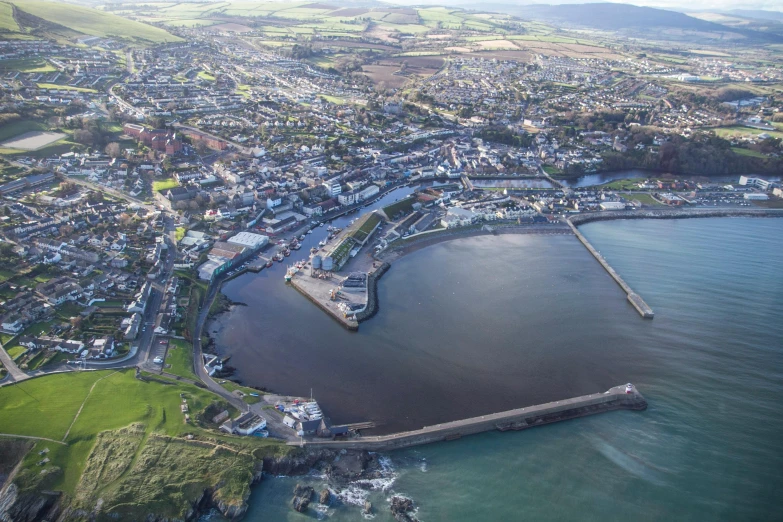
<point x="678" y="5"/>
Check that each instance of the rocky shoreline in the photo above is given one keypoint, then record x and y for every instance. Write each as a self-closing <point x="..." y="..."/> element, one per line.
<point x="340" y="468"/>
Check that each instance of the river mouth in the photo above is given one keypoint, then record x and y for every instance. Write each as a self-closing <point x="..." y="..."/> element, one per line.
<point x="465" y="328"/>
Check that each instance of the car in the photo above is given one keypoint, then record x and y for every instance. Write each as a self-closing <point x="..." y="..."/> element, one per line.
<point x="158" y="360"/>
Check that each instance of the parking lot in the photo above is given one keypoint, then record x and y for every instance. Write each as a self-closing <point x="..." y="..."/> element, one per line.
<point x="158" y="351"/>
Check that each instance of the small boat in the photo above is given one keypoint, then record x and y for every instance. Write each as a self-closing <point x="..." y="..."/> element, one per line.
<point x="268" y="264"/>
<point x="321" y="243"/>
<point x="309" y="231"/>
<point x="320" y="224"/>
<point x="302" y="237"/>
<point x="286" y="252"/>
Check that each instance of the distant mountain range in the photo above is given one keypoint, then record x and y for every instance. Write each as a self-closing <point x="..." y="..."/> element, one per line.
<point x="758" y="14"/>
<point x="626" y="18"/>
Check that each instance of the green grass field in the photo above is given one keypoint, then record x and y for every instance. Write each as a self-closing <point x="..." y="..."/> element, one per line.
<point x="739" y="131"/>
<point x="16" y="128"/>
<point x="7" y="22"/>
<point x="644" y="199"/>
<point x="27" y="65"/>
<point x="15" y="352"/>
<point x="92" y="22"/>
<point x="206" y="76"/>
<point x="164" y="184"/>
<point x="232" y="386"/>
<point x="64" y="87"/>
<point x="157" y="465"/>
<point x="747" y="152"/>
<point x="180" y="357"/>
<point x="623" y="184"/>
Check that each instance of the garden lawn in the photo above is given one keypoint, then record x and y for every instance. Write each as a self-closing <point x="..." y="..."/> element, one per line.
<point x="15" y="352"/>
<point x="164" y="184"/>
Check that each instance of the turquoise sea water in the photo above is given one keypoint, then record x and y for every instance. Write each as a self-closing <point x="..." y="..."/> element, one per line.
<point x="710" y="446"/>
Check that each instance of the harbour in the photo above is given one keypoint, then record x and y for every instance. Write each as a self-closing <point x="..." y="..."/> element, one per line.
<point x="706" y="447"/>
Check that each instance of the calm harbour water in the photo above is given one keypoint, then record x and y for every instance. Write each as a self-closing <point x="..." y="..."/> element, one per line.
<point x="485" y="324"/>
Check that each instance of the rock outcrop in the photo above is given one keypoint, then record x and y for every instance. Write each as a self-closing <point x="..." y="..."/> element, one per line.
<point x="325" y="497"/>
<point x="402" y="509"/>
<point x="302" y="497"/>
<point x="23" y="506"/>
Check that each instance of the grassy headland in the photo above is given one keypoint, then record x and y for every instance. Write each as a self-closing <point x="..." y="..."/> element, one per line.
<point x="160" y="463"/>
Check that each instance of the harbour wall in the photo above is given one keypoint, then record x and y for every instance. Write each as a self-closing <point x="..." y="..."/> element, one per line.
<point x="636" y="301"/>
<point x="519" y="419"/>
<point x="372" y="293"/>
<point x="581" y="219"/>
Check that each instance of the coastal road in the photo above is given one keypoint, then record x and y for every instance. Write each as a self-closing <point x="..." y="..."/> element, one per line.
<point x="275" y="424"/>
<point x="198" y="357"/>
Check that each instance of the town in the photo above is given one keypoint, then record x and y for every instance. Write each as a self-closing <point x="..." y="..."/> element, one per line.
<point x="142" y="169"/>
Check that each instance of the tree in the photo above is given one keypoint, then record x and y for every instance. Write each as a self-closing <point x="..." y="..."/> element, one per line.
<point x="113" y="149"/>
<point x="83" y="136"/>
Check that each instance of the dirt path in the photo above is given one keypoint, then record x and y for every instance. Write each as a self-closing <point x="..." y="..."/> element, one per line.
<point x="83" y="403"/>
<point x="32" y="438"/>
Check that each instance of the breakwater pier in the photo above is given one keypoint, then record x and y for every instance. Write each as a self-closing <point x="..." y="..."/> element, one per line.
<point x="625" y="397"/>
<point x="635" y="299"/>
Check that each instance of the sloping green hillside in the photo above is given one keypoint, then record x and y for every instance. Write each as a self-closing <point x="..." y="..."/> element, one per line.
<point x="83" y="20"/>
<point x="7" y="22"/>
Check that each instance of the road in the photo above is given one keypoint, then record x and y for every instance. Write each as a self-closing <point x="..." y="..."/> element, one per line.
<point x="113" y="192"/>
<point x="14" y="373"/>
<point x="239" y="147"/>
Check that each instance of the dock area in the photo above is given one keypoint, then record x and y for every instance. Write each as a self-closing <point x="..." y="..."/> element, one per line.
<point x="624" y="397"/>
<point x="635" y="299"/>
<point x="320" y="292"/>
